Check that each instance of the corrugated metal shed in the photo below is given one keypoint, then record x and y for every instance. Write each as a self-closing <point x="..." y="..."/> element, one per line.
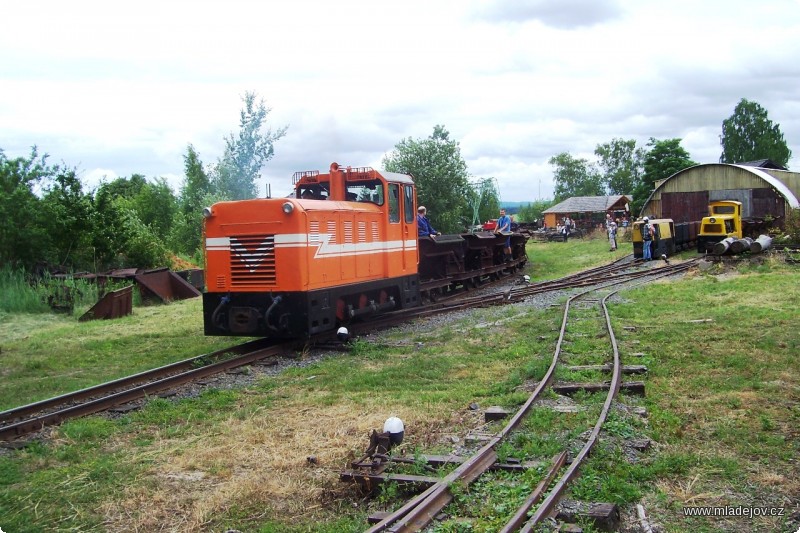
<point x="763" y="163"/>
<point x="684" y="196"/>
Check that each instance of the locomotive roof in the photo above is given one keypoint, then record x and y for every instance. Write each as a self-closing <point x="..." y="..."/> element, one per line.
<point x="397" y="177"/>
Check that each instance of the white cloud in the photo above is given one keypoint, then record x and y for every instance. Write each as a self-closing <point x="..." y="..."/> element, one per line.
<point x="122" y="89"/>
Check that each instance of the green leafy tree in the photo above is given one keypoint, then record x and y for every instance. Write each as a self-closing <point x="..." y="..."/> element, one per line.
<point x="575" y="177"/>
<point x="21" y="230"/>
<point x="155" y="205"/>
<point x="108" y="238"/>
<point x="749" y="135"/>
<point x="143" y="247"/>
<point x="663" y="159"/>
<point x="66" y="216"/>
<point x="534" y="211"/>
<point x="187" y="224"/>
<point x="131" y="214"/>
<point x="246" y="153"/>
<point x="440" y="175"/>
<point x="197" y="183"/>
<point x="621" y="163"/>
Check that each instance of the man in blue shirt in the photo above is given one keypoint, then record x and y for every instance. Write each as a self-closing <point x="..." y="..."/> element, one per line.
<point x="504" y="226"/>
<point x="424" y="228"/>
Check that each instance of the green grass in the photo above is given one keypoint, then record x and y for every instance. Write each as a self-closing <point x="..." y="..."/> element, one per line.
<point x="23" y="293"/>
<point x="552" y="260"/>
<point x="44" y="355"/>
<point x="722" y="403"/>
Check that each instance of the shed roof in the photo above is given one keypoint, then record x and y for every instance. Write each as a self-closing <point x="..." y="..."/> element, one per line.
<point x="772" y="181"/>
<point x="587" y="204"/>
<point x="763" y="163"/>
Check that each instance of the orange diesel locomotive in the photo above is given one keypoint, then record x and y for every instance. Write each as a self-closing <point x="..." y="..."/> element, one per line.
<point x="344" y="245"/>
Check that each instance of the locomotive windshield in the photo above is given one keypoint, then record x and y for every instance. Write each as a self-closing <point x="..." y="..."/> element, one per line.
<point x="315" y="191"/>
<point x="365" y="191"/>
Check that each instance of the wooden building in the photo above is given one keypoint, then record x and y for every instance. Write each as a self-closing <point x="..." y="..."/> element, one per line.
<point x="765" y="191"/>
<point x="587" y="211"/>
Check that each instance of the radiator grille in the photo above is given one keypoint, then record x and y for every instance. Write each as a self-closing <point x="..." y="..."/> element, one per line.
<point x="348" y="232"/>
<point x="253" y="260"/>
<point x="362" y="232"/>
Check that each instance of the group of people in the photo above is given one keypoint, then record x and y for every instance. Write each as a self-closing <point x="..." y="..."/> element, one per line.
<point x="566" y="227"/>
<point x="425" y="229"/>
<point x="648" y="235"/>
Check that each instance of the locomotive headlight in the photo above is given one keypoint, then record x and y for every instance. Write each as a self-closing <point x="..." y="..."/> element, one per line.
<point x="288" y="207"/>
<point x="207" y="212"/>
<point x="712" y="220"/>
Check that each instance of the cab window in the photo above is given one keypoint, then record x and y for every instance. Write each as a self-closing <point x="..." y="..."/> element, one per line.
<point x="312" y="191"/>
<point x="408" y="203"/>
<point x="364" y="191"/>
<point x="394" y="202"/>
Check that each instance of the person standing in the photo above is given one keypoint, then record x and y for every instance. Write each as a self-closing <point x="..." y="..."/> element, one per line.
<point x="567" y="228"/>
<point x="504" y="226"/>
<point x="611" y="228"/>
<point x="647" y="239"/>
<point x="424" y="228"/>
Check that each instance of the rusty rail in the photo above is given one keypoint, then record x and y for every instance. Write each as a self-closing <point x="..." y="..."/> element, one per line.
<point x="106" y="395"/>
<point x="421" y="510"/>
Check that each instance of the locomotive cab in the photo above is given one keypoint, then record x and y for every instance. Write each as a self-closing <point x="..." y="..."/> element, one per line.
<point x="724" y="220"/>
<point x="663" y="238"/>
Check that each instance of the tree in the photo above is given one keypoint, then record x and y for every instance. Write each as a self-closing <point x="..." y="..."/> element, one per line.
<point x="575" y="177"/>
<point x="20" y="208"/>
<point x="440" y="175"/>
<point x="132" y="219"/>
<point x="246" y="153"/>
<point x="664" y="159"/>
<point x="748" y="135"/>
<point x="197" y="183"/>
<point x="66" y="218"/>
<point x="187" y="224"/>
<point x="534" y="211"/>
<point x="155" y="205"/>
<point x="621" y="163"/>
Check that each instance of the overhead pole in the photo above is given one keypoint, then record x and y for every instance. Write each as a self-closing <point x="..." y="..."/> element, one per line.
<point x="482" y="189"/>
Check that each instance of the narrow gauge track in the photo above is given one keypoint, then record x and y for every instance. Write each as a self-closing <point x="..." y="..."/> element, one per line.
<point x="619" y="269"/>
<point x="33" y="417"/>
<point x="420" y="511"/>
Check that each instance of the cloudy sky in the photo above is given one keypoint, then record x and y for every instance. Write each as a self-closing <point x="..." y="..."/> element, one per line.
<point x="116" y="88"/>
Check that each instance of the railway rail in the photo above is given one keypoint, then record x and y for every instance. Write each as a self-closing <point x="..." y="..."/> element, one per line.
<point x="21" y="421"/>
<point x="420" y="511"/>
<point x="26" y="419"/>
<point x="34" y="417"/>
